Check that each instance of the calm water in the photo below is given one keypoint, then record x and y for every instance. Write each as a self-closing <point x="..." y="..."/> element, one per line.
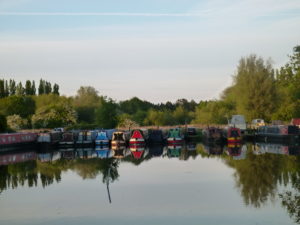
<point x="251" y="184"/>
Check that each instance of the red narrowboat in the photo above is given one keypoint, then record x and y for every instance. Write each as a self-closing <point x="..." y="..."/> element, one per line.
<point x="14" y="140"/>
<point x="137" y="139"/>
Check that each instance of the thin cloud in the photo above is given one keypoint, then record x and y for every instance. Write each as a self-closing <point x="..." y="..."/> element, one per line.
<point x="102" y="14"/>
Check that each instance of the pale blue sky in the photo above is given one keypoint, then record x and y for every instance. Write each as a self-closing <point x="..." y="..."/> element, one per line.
<point x="156" y="50"/>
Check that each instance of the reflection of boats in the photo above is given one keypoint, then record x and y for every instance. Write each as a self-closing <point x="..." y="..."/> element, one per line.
<point x="155" y="137"/>
<point x="14" y="140"/>
<point x="243" y="153"/>
<point x="17" y="157"/>
<point x="213" y="149"/>
<point x="85" y="153"/>
<point x="119" y="153"/>
<point x="213" y="135"/>
<point x="137" y="139"/>
<point x="68" y="140"/>
<point x="102" y="139"/>
<point x="49" y="156"/>
<point x="174" y="151"/>
<point x="103" y="153"/>
<point x="137" y="153"/>
<point x="234" y="149"/>
<point x="191" y="146"/>
<point x="156" y="150"/>
<point x="174" y="136"/>
<point x="67" y="153"/>
<point x="118" y="140"/>
<point x="278" y="134"/>
<point x="262" y="148"/>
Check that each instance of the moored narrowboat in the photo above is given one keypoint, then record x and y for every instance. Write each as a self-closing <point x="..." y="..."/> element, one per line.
<point x="213" y="135"/>
<point x="233" y="135"/>
<point x="191" y="134"/>
<point x="11" y="141"/>
<point x="137" y="139"/>
<point x="67" y="141"/>
<point x="296" y="122"/>
<point x="85" y="139"/>
<point x="49" y="140"/>
<point x="155" y="136"/>
<point x="175" y="137"/>
<point x="278" y="134"/>
<point x="118" y="140"/>
<point x="102" y="139"/>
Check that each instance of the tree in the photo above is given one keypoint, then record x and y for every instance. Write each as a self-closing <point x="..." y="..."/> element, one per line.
<point x="159" y="118"/>
<point x="33" y="89"/>
<point x="254" y="89"/>
<point x="19" y="105"/>
<point x="55" y="89"/>
<point x="85" y="102"/>
<point x="20" y="90"/>
<point x="28" y="90"/>
<point x="215" y="112"/>
<point x="41" y="88"/>
<point x="12" y="87"/>
<point x="288" y="83"/>
<point x="55" y="115"/>
<point x="6" y="89"/>
<point x="3" y="123"/>
<point x="181" y="116"/>
<point x="135" y="104"/>
<point x="106" y="114"/>
<point x="48" y="88"/>
<point x="2" y="90"/>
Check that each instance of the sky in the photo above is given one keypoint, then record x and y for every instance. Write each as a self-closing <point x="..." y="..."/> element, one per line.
<point x="157" y="50"/>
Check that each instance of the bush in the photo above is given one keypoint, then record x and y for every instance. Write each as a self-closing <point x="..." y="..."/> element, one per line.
<point x="16" y="122"/>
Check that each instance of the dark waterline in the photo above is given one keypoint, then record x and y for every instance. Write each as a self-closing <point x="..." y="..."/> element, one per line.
<point x="198" y="184"/>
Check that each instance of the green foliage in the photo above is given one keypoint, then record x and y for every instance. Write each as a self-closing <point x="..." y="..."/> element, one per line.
<point x="19" y="105"/>
<point x="106" y="114"/>
<point x="85" y="102"/>
<point x="16" y="122"/>
<point x="125" y="121"/>
<point x="215" y="112"/>
<point x="3" y="123"/>
<point x="288" y="83"/>
<point x="134" y="104"/>
<point x="56" y="89"/>
<point x="253" y="91"/>
<point x="159" y="118"/>
<point x="57" y="114"/>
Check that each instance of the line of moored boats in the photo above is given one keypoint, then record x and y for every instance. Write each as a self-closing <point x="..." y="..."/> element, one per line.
<point x="233" y="134"/>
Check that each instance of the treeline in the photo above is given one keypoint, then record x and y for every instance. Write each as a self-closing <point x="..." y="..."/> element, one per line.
<point x="258" y="91"/>
<point x="10" y="88"/>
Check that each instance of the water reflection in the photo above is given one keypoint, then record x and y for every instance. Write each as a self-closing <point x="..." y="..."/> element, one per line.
<point x="259" y="168"/>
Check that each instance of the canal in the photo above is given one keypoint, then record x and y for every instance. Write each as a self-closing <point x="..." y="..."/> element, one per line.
<point x="196" y="184"/>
